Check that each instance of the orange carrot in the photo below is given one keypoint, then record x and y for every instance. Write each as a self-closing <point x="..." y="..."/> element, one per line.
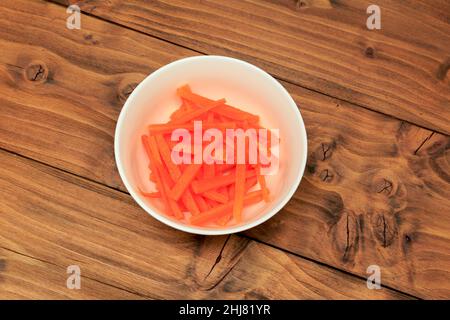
<point x="239" y="192"/>
<point x="209" y="170"/>
<point x="189" y="202"/>
<point x="224" y="109"/>
<point x="165" y="152"/>
<point x="215" y="193"/>
<point x="200" y="186"/>
<point x="249" y="183"/>
<point x="183" y="182"/>
<point x="191" y="115"/>
<point x="155" y="194"/>
<point x="201" y="203"/>
<point x="158" y="182"/>
<point x="170" y="127"/>
<point x="216" y="196"/>
<point x="224" y="209"/>
<point x="262" y="183"/>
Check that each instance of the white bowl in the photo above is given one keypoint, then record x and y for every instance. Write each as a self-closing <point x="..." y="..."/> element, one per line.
<point x="243" y="85"/>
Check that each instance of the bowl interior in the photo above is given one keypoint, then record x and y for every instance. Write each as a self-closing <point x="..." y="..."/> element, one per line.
<point x="244" y="86"/>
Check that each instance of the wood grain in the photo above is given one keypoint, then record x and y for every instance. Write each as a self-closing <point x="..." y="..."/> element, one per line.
<point x="324" y="45"/>
<point x="66" y="119"/>
<point x="50" y="220"/>
<point x="373" y="193"/>
<point x="24" y="277"/>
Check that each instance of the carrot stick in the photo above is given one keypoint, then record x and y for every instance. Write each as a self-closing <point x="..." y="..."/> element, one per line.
<point x="224" y="209"/>
<point x="155" y="194"/>
<point x="201" y="203"/>
<point x="224" y="110"/>
<point x="239" y="192"/>
<point x="170" y="127"/>
<point x="189" y="202"/>
<point x="224" y="167"/>
<point x="216" y="196"/>
<point x="211" y="203"/>
<point x="158" y="181"/>
<point x="200" y="186"/>
<point x="209" y="170"/>
<point x="231" y="190"/>
<point x="191" y="115"/>
<point x="249" y="183"/>
<point x="262" y="183"/>
<point x="167" y="183"/>
<point x="224" y="219"/>
<point x="175" y="173"/>
<point x="165" y="152"/>
<point x="183" y="182"/>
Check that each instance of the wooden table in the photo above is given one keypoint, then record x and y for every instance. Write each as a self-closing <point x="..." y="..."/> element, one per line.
<point x="376" y="190"/>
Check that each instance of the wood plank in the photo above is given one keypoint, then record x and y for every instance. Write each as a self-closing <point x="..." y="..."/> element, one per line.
<point x="24" y="277"/>
<point x="400" y="70"/>
<point x="54" y="220"/>
<point x="359" y="158"/>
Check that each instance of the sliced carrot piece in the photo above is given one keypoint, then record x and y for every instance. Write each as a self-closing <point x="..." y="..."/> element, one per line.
<point x="189" y="202"/>
<point x="216" y="196"/>
<point x="210" y="117"/>
<point x="224" y="110"/>
<point x="209" y="170"/>
<point x="155" y="194"/>
<point x="224" y="167"/>
<point x="249" y="183"/>
<point x="239" y="192"/>
<point x="211" y="203"/>
<point x="224" y="209"/>
<point x="165" y="152"/>
<point x="170" y="127"/>
<point x="224" y="191"/>
<point x="224" y="219"/>
<point x="183" y="182"/>
<point x="201" y="203"/>
<point x="158" y="181"/>
<point x="203" y="185"/>
<point x="262" y="183"/>
<point x="196" y="113"/>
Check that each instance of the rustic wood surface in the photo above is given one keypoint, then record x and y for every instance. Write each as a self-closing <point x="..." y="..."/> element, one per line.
<point x="376" y="189"/>
<point x="124" y="253"/>
<point x="324" y="45"/>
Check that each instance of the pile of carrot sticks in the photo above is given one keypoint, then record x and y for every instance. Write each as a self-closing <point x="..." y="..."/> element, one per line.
<point x="203" y="193"/>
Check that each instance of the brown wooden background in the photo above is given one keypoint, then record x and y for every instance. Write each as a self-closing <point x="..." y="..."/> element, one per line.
<point x="376" y="190"/>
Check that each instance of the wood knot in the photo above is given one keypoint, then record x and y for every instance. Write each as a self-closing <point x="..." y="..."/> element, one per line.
<point x="301" y="4"/>
<point x="443" y="69"/>
<point x="384" y="228"/>
<point x="384" y="186"/>
<point x="345" y="234"/>
<point x="326" y="150"/>
<point x="126" y="85"/>
<point x="125" y="92"/>
<point x="36" y="72"/>
<point x="369" y="52"/>
<point x="326" y="175"/>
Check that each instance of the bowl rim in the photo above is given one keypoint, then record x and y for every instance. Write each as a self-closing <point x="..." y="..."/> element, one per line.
<point x="192" y="229"/>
